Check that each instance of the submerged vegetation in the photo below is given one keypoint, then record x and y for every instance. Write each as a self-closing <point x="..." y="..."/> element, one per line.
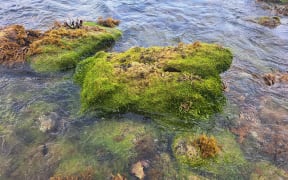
<point x="211" y="154"/>
<point x="278" y="7"/>
<point x="180" y="81"/>
<point x="265" y="170"/>
<point x="271" y="22"/>
<point x="176" y="85"/>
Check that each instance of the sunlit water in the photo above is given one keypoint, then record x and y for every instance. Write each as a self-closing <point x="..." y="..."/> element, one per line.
<point x="261" y="110"/>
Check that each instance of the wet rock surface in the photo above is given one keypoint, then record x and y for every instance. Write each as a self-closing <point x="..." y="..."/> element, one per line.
<point x="49" y="122"/>
<point x="271" y="22"/>
<point x="276" y="79"/>
<point x="277" y="7"/>
<point x="14" y="43"/>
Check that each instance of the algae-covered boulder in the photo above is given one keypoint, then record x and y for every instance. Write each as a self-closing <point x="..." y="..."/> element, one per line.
<point x="63" y="46"/>
<point x="180" y="81"/>
<point x="218" y="155"/>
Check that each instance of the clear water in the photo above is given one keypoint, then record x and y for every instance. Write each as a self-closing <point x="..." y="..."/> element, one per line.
<point x="260" y="111"/>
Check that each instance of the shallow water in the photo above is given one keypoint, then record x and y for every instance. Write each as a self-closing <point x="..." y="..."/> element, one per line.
<point x="259" y="111"/>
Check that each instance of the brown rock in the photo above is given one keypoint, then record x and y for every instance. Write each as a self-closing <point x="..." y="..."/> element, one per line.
<point x="138" y="170"/>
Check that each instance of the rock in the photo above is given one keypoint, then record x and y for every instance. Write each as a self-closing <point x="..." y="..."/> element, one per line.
<point x="14" y="43"/>
<point x="44" y="149"/>
<point x="281" y="10"/>
<point x="272" y="78"/>
<point x="48" y="123"/>
<point x="271" y="22"/>
<point x="138" y="170"/>
<point x="109" y="22"/>
<point x="63" y="46"/>
<point x="180" y="82"/>
<point x="265" y="170"/>
<point x="118" y="177"/>
<point x="219" y="155"/>
<point x="278" y="7"/>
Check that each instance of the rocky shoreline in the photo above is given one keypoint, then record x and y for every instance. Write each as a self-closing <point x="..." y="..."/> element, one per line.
<point x="171" y="88"/>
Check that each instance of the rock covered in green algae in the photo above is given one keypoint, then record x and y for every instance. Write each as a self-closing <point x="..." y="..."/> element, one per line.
<point x="229" y="162"/>
<point x="121" y="139"/>
<point x="265" y="171"/>
<point x="180" y="81"/>
<point x="107" y="147"/>
<point x="62" y="48"/>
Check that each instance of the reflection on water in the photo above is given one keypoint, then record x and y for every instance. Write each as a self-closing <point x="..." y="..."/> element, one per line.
<point x="256" y="113"/>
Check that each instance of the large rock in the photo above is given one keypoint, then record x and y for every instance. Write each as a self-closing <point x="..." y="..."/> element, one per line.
<point x="180" y="81"/>
<point x="63" y="46"/>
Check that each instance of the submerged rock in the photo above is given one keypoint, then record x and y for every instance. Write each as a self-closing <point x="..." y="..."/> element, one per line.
<point x="278" y="7"/>
<point x="49" y="122"/>
<point x="180" y="81"/>
<point x="274" y="1"/>
<point x="275" y="78"/>
<point x="271" y="22"/>
<point x="196" y="148"/>
<point x="220" y="155"/>
<point x="109" y="22"/>
<point x="106" y="147"/>
<point x="265" y="170"/>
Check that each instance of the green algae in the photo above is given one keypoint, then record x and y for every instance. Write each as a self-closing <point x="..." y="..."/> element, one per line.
<point x="164" y="167"/>
<point x="118" y="138"/>
<point x="106" y="147"/>
<point x="182" y="82"/>
<point x="265" y="171"/>
<point x="229" y="163"/>
<point x="61" y="49"/>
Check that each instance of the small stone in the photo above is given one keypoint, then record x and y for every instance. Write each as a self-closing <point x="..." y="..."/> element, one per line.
<point x="44" y="150"/>
<point x="271" y="22"/>
<point x="138" y="170"/>
<point x="48" y="123"/>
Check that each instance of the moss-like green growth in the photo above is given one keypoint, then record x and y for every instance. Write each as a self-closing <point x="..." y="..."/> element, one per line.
<point x="106" y="148"/>
<point x="62" y="48"/>
<point x="265" y="171"/>
<point x="228" y="162"/>
<point x="179" y="81"/>
<point x="118" y="139"/>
